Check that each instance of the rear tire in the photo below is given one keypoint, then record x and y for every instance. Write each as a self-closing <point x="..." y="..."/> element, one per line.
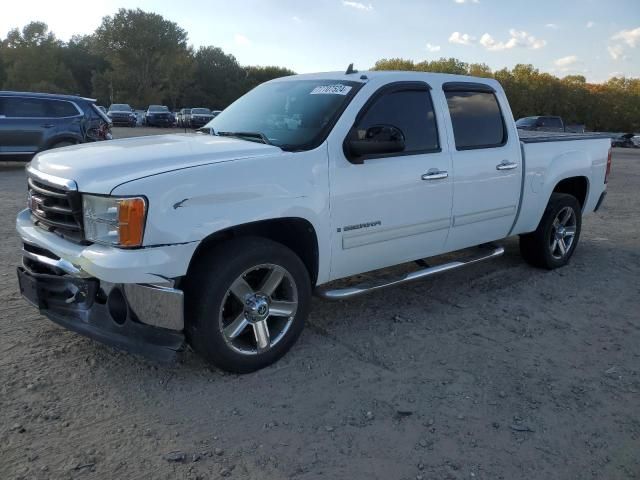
<point x="246" y="301"/>
<point x="552" y="244"/>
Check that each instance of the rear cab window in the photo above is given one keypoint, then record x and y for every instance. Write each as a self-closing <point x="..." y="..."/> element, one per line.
<point x="476" y="116"/>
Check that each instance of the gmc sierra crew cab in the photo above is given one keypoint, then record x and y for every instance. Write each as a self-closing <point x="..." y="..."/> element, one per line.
<point x="218" y="239"/>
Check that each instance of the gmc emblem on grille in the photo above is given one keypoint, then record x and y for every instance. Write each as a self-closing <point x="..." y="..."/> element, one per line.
<point x="31" y="202"/>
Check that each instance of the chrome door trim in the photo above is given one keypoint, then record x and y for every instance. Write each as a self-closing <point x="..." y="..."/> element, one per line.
<point x="359" y="239"/>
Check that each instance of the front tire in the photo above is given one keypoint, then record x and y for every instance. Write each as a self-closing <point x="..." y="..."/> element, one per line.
<point x="556" y="238"/>
<point x="246" y="303"/>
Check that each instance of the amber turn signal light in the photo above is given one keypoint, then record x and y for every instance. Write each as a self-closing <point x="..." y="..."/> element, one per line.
<point x="131" y="219"/>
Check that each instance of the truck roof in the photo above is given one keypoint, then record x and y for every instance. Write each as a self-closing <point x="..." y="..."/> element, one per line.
<point x="391" y="75"/>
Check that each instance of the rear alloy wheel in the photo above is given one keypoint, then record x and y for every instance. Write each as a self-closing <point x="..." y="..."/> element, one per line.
<point x="563" y="233"/>
<point x="556" y="238"/>
<point x="246" y="301"/>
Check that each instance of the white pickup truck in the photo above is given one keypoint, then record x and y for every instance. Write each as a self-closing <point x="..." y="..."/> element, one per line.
<point x="217" y="239"/>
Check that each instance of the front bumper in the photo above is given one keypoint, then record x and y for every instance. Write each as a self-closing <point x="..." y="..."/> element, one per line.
<point x="123" y="121"/>
<point x="124" y="298"/>
<point x="155" y="121"/>
<point x="111" y="314"/>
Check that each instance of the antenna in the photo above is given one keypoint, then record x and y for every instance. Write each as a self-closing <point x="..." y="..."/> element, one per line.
<point x="350" y="70"/>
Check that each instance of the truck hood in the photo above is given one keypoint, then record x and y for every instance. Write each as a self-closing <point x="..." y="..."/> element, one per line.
<point x="100" y="167"/>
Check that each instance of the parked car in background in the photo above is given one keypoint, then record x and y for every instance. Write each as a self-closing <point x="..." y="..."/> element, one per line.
<point x="183" y="117"/>
<point x="199" y="117"/>
<point x="33" y="122"/>
<point x="121" y="114"/>
<point x="215" y="113"/>
<point x="575" y="128"/>
<point x="158" y="116"/>
<point x="541" y="124"/>
<point x="624" y="140"/>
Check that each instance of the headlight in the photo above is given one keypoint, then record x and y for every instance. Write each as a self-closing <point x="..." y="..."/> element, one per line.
<point x="114" y="221"/>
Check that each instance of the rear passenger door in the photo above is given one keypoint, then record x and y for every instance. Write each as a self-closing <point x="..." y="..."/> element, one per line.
<point x="487" y="166"/>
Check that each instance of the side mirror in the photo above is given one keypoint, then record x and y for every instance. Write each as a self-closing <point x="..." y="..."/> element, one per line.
<point x="375" y="140"/>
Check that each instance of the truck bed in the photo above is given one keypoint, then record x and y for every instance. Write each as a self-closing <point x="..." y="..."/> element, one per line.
<point x="531" y="136"/>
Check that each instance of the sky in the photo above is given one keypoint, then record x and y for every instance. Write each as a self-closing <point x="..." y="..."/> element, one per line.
<point x="595" y="38"/>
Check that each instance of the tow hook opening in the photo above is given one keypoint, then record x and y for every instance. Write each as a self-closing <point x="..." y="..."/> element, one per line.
<point x="117" y="305"/>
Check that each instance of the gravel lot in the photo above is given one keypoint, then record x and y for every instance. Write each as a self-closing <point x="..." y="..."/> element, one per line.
<point x="499" y="371"/>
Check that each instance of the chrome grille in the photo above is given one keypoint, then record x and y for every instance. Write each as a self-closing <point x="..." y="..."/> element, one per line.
<point x="56" y="209"/>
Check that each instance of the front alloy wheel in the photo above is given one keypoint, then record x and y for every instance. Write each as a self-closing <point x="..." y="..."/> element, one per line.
<point x="246" y="301"/>
<point x="258" y="309"/>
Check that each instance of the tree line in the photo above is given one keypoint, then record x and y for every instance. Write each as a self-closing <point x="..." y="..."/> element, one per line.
<point x="141" y="58"/>
<point x="133" y="57"/>
<point x="610" y="106"/>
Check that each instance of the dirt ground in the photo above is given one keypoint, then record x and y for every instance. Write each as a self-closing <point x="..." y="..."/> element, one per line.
<point x="500" y="371"/>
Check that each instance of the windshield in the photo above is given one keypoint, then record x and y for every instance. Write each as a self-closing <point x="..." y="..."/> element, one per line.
<point x="119" y="107"/>
<point x="158" y="108"/>
<point x="292" y="114"/>
<point x="526" y="122"/>
<point x="201" y="111"/>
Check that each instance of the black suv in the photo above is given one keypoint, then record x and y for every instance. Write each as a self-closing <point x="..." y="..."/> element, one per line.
<point x="122" y="114"/>
<point x="33" y="122"/>
<point x="158" y="116"/>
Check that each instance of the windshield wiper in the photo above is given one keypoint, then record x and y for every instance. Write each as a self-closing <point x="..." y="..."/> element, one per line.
<point x="250" y="136"/>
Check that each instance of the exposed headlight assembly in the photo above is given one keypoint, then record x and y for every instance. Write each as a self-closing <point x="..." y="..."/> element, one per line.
<point x="114" y="221"/>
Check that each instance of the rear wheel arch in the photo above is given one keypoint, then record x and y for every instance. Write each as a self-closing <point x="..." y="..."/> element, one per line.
<point x="296" y="233"/>
<point x="577" y="187"/>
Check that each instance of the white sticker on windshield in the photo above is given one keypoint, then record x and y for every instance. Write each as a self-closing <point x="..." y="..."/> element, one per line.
<point x="331" y="90"/>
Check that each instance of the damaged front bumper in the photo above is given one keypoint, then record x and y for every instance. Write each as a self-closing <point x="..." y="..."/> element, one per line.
<point x="116" y="315"/>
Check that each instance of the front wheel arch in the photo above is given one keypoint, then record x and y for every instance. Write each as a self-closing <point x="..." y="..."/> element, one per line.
<point x="295" y="233"/>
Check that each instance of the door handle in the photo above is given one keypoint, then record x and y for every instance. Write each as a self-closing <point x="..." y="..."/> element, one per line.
<point x="48" y="125"/>
<point x="435" y="174"/>
<point x="505" y="165"/>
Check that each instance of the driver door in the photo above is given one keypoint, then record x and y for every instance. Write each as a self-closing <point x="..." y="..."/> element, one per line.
<point x="390" y="208"/>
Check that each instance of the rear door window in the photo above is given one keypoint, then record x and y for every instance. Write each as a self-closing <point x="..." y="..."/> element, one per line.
<point x="21" y="107"/>
<point x="476" y="118"/>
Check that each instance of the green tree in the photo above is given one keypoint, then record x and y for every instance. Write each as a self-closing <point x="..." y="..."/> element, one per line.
<point x="140" y="48"/>
<point x="32" y="60"/>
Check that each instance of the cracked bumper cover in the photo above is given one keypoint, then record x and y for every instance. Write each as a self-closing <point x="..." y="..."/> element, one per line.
<point x="81" y="305"/>
<point x="118" y="297"/>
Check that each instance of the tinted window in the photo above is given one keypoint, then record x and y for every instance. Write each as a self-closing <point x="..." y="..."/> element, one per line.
<point x="526" y="122"/>
<point x="59" y="109"/>
<point x="120" y="107"/>
<point x="551" y="122"/>
<point x="158" y="108"/>
<point x="201" y="111"/>
<point x="24" y="107"/>
<point x="477" y="120"/>
<point x="409" y="110"/>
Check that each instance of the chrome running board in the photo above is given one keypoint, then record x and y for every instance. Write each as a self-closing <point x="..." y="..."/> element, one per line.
<point x="361" y="289"/>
